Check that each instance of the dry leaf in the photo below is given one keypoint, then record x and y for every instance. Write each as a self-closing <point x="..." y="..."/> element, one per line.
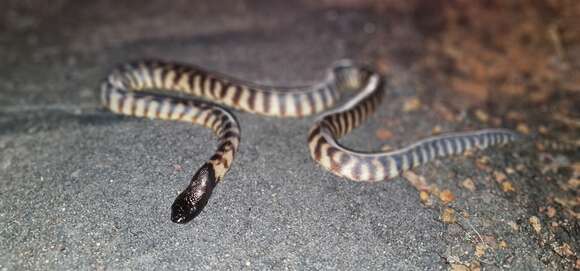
<point x="536" y="225"/>
<point x="424" y="197"/>
<point x="573" y="183"/>
<point x="474" y="266"/>
<point x="446" y="196"/>
<point x="564" y="250"/>
<point x="507" y="187"/>
<point x="416" y="181"/>
<point x="448" y="216"/>
<point x="480" y="250"/>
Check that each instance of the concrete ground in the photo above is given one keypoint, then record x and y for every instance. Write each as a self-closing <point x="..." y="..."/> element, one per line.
<point x="81" y="188"/>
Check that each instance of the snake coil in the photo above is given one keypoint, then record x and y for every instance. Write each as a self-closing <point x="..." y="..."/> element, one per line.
<point x="127" y="91"/>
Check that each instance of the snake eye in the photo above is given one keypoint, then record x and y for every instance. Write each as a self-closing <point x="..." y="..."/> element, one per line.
<point x="191" y="201"/>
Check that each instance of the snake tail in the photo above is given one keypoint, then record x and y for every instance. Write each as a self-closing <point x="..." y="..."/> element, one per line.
<point x="371" y="167"/>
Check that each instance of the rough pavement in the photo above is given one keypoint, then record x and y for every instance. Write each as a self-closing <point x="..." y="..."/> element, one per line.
<point x="82" y="188"/>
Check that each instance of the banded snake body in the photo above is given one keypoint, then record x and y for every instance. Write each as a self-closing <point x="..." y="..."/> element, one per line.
<point x="126" y="91"/>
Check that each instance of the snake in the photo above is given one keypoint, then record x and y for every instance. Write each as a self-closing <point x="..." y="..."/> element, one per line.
<point x="196" y="95"/>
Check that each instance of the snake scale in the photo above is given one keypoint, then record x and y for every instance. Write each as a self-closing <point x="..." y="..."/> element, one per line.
<point x="128" y="90"/>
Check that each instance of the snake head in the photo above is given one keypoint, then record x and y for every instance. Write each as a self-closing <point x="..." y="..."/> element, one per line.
<point x="191" y="201"/>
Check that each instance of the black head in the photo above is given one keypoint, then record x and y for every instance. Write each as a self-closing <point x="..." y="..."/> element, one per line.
<point x="191" y="201"/>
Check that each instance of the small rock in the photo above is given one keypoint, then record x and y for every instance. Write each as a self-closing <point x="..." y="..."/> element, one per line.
<point x="523" y="128"/>
<point x="386" y="147"/>
<point x="484" y="160"/>
<point x="509" y="170"/>
<point x="481" y="115"/>
<point x="436" y="130"/>
<point x="514" y="226"/>
<point x="503" y="244"/>
<point x="468" y="184"/>
<point x="543" y="130"/>
<point x="551" y="212"/>
<point x="500" y="177"/>
<point x="411" y="104"/>
<point x="76" y="173"/>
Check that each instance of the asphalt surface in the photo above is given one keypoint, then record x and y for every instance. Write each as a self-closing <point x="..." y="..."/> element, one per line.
<point x="82" y="188"/>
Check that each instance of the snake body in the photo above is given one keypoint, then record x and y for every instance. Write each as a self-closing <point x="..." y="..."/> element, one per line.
<point x="128" y="90"/>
